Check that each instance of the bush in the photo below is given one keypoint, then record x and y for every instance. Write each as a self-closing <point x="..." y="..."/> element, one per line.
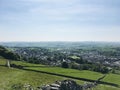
<point x="65" y="65"/>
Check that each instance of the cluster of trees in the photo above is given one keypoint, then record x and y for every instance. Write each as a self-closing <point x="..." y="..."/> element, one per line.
<point x="81" y="64"/>
<point x="91" y="67"/>
<point x="9" y="55"/>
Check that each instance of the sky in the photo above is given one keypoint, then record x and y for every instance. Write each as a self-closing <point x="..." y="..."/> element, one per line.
<point x="59" y="20"/>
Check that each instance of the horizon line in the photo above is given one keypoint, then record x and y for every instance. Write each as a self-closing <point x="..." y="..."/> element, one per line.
<point x="53" y="41"/>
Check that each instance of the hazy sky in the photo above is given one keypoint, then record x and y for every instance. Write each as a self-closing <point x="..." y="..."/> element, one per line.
<point x="59" y="20"/>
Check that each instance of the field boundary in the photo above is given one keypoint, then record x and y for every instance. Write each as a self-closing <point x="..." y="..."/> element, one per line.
<point x="78" y="78"/>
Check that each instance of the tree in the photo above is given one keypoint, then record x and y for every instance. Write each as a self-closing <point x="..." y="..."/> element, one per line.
<point x="105" y="70"/>
<point x="65" y="65"/>
<point x="9" y="55"/>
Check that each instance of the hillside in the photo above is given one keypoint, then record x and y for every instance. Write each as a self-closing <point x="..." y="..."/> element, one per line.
<point x="13" y="76"/>
<point x="10" y="77"/>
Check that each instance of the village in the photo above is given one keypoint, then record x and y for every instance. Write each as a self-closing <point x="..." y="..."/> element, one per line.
<point x="55" y="56"/>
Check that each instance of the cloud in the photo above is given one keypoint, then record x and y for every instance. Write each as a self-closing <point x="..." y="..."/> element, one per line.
<point x="59" y="10"/>
<point x="50" y="1"/>
<point x="67" y="11"/>
<point x="69" y="19"/>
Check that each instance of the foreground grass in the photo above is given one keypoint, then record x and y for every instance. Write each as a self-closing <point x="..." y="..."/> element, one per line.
<point x="112" y="78"/>
<point x="12" y="76"/>
<point x="105" y="87"/>
<point x="9" y="77"/>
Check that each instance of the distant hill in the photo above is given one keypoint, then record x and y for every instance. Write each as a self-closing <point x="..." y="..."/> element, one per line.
<point x="58" y="44"/>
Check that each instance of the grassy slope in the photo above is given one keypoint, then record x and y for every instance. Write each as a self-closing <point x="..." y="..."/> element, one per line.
<point x="69" y="72"/>
<point x="114" y="78"/>
<point x="8" y="77"/>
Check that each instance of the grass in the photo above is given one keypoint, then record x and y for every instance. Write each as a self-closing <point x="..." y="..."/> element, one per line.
<point x="9" y="77"/>
<point x="105" y="87"/>
<point x="112" y="78"/>
<point x="69" y="72"/>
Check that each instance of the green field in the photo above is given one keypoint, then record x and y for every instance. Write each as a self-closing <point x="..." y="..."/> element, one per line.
<point x="9" y="77"/>
<point x="112" y="78"/>
<point x="74" y="57"/>
<point x="69" y="72"/>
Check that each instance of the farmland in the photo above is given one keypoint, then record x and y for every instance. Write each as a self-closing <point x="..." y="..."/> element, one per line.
<point x="17" y="76"/>
<point x="9" y="77"/>
<point x="77" y="73"/>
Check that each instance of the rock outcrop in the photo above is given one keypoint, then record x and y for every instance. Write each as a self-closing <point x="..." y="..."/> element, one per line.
<point x="71" y="85"/>
<point x="64" y="85"/>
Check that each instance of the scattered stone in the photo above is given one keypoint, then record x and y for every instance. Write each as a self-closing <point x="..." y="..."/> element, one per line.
<point x="28" y="87"/>
<point x="55" y="85"/>
<point x="61" y="85"/>
<point x="70" y="85"/>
